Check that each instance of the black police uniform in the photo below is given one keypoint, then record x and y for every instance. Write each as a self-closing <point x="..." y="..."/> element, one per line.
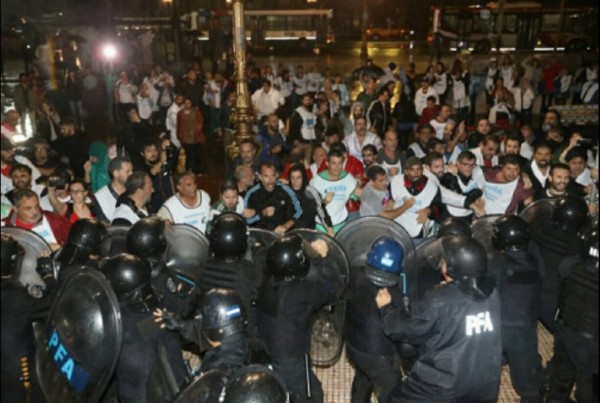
<point x="373" y="353"/>
<point x="519" y="282"/>
<point x="141" y="336"/>
<point x="558" y="247"/>
<point x="460" y="346"/>
<point x="576" y="345"/>
<point x="19" y="311"/>
<point x="241" y="276"/>
<point x="283" y="318"/>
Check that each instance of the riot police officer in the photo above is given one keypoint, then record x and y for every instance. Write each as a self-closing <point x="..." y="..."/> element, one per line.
<point x="559" y="244"/>
<point x="286" y="301"/>
<point x="457" y="327"/>
<point x="454" y="226"/>
<point x="372" y="352"/>
<point x="255" y="384"/>
<point x="227" y="268"/>
<point x="83" y="246"/>
<point x="517" y="268"/>
<point x="575" y="357"/>
<point x="146" y="239"/>
<point x="19" y="310"/>
<point x="130" y="278"/>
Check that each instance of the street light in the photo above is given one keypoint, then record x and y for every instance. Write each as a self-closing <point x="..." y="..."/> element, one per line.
<point x="364" y="51"/>
<point x="244" y="115"/>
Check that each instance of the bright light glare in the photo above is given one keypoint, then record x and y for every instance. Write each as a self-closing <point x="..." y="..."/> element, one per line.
<point x="109" y="51"/>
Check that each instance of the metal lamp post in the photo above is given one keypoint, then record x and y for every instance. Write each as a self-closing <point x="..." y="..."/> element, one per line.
<point x="244" y="114"/>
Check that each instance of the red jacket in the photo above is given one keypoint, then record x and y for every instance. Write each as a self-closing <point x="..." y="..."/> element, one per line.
<point x="59" y="225"/>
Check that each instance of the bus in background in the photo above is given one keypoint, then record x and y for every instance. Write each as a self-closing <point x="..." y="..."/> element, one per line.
<point x="525" y="25"/>
<point x="276" y="29"/>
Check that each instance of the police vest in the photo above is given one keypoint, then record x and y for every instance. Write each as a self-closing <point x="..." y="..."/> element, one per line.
<point x="498" y="196"/>
<point x="342" y="189"/>
<point x="408" y="219"/>
<point x="309" y="120"/>
<point x="196" y="216"/>
<point x="107" y="200"/>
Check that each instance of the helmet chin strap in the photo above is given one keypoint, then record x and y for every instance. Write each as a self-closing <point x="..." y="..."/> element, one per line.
<point x="444" y="270"/>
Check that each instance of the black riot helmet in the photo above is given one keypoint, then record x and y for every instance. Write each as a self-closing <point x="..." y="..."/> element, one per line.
<point x="590" y="247"/>
<point x="255" y="384"/>
<point x="129" y="277"/>
<point x="222" y="314"/>
<point x="146" y="238"/>
<point x="12" y="256"/>
<point x="86" y="238"/>
<point x="287" y="258"/>
<point x="466" y="263"/>
<point x="453" y="226"/>
<point x="511" y="233"/>
<point x="570" y="213"/>
<point x="229" y="237"/>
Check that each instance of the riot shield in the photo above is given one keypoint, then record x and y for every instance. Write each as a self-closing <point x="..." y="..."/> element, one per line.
<point x="116" y="241"/>
<point x="34" y="246"/>
<point x="206" y="388"/>
<point x="358" y="236"/>
<point x="187" y="248"/>
<point x="482" y="231"/>
<point x="259" y="241"/>
<point x="78" y="348"/>
<point x="426" y="273"/>
<point x="539" y="211"/>
<point x="328" y="326"/>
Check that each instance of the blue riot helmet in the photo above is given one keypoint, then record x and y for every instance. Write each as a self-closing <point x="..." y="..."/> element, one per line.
<point x="385" y="262"/>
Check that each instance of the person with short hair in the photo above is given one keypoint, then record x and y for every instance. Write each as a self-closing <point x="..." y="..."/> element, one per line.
<point x="486" y="153"/>
<point x="505" y="191"/>
<point x="423" y="97"/>
<point x="539" y="168"/>
<point x="270" y="204"/>
<point x="119" y="169"/>
<point x="132" y="204"/>
<point x="557" y="183"/>
<point x="22" y="178"/>
<point x="266" y="100"/>
<point x="390" y="157"/>
<point x="230" y="201"/>
<point x="360" y="137"/>
<point x="27" y="214"/>
<point x="419" y="147"/>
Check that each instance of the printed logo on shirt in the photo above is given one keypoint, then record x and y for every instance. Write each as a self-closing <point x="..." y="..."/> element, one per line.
<point x="480" y="323"/>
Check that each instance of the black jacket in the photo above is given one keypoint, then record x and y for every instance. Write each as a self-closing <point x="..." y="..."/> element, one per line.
<point x="459" y="343"/>
<point x="283" y="198"/>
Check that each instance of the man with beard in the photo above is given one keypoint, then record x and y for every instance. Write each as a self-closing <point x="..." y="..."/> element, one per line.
<point x="551" y="121"/>
<point x="558" y="142"/>
<point x="21" y="176"/>
<point x="486" y="153"/>
<point x="359" y="138"/>
<point x="131" y="205"/>
<point x="274" y="146"/>
<point x="302" y="124"/>
<point x="467" y="183"/>
<point x="159" y="165"/>
<point x="119" y="168"/>
<point x="389" y="156"/>
<point x="369" y="156"/>
<point x="356" y="111"/>
<point x="270" y="204"/>
<point x="538" y="169"/>
<point x="246" y="158"/>
<point x="557" y="183"/>
<point x="413" y="184"/>
<point x="512" y="146"/>
<point x="505" y="191"/>
<point x="483" y="129"/>
<point x="419" y="147"/>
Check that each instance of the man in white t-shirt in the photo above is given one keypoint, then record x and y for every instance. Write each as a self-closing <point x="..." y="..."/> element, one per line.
<point x="189" y="205"/>
<point x="266" y="100"/>
<point x="440" y="121"/>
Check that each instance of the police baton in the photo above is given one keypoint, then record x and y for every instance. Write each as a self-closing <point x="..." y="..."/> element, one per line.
<point x="307" y="375"/>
